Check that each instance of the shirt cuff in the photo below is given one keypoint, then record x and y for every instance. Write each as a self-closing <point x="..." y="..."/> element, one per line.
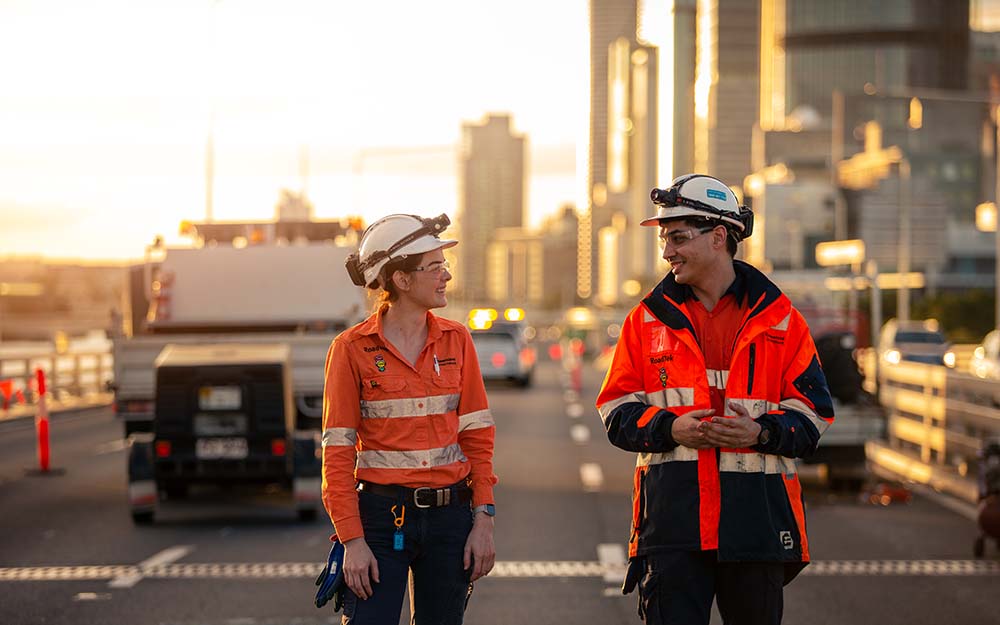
<point x="482" y="493"/>
<point x="349" y="528"/>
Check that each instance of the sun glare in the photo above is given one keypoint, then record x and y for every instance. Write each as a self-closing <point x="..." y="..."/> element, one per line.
<point x="104" y="118"/>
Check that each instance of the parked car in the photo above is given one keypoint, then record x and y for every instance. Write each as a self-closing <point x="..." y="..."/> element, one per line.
<point x="914" y="341"/>
<point x="504" y="353"/>
<point x="985" y="362"/>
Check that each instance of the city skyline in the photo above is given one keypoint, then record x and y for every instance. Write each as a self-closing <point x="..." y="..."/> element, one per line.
<point x="106" y="114"/>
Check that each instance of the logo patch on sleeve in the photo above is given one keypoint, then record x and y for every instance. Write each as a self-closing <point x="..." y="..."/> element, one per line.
<point x="786" y="539"/>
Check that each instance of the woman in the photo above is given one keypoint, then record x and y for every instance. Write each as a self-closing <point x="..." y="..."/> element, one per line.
<point x="407" y="437"/>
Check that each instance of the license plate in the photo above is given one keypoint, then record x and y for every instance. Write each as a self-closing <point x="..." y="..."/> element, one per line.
<point x="220" y="397"/>
<point x="220" y="448"/>
<point x="220" y="424"/>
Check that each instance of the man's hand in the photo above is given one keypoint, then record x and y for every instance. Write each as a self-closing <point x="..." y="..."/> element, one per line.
<point x="360" y="567"/>
<point x="479" y="549"/>
<point x="739" y="431"/>
<point x="686" y="429"/>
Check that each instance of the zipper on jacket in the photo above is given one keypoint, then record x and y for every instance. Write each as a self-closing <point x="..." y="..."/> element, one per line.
<point x="753" y="359"/>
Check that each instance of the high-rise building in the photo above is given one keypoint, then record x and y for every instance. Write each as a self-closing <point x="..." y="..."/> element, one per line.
<point x="491" y="195"/>
<point x="809" y="48"/>
<point x="727" y="85"/>
<point x="612" y="31"/>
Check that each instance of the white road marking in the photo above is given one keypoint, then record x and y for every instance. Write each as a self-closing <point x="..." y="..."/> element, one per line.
<point x="612" y="558"/>
<point x="91" y="596"/>
<point x="570" y="396"/>
<point x="111" y="447"/>
<point x="157" y="561"/>
<point x="505" y="569"/>
<point x="592" y="477"/>
<point x="580" y="434"/>
<point x="574" y="411"/>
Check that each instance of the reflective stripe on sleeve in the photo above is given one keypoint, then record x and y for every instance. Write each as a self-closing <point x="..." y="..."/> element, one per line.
<point x="737" y="462"/>
<point x="755" y="407"/>
<point x="340" y="437"/>
<point x="677" y="454"/>
<point x="800" y="406"/>
<point x="667" y="398"/>
<point x="475" y="420"/>
<point x="419" y="459"/>
<point x="408" y="407"/>
<point x="607" y="407"/>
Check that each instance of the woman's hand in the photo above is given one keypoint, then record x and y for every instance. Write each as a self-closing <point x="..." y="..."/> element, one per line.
<point x="361" y="567"/>
<point x="479" y="549"/>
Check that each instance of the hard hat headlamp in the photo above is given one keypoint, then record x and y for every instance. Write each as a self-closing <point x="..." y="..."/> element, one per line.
<point x="672" y="197"/>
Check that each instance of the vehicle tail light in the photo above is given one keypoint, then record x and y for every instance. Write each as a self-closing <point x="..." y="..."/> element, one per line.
<point x="555" y="352"/>
<point x="527" y="356"/>
<point x="162" y="449"/>
<point x="498" y="359"/>
<point x="277" y="447"/>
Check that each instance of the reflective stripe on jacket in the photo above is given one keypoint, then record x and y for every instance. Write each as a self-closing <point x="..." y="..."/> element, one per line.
<point x="390" y="422"/>
<point x="747" y="503"/>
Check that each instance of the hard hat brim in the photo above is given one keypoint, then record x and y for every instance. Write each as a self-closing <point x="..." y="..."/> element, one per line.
<point x="671" y="213"/>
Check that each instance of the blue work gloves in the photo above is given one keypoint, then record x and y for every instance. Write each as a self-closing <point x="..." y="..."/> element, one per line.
<point x="331" y="578"/>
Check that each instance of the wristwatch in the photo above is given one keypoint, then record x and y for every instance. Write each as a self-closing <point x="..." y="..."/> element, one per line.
<point x="488" y="508"/>
<point x="764" y="436"/>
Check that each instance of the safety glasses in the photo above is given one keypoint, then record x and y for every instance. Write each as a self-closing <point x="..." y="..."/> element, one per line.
<point x="677" y="238"/>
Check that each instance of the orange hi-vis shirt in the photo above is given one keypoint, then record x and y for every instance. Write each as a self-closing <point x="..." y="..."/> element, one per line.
<point x="391" y="422"/>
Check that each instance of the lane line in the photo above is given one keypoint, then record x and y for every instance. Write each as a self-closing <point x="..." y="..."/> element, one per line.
<point x="111" y="447"/>
<point x="580" y="434"/>
<point x="574" y="411"/>
<point x="503" y="569"/>
<point x="157" y="561"/>
<point x="612" y="559"/>
<point x="592" y="477"/>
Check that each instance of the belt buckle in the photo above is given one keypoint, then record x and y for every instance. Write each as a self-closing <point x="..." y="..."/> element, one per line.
<point x="416" y="496"/>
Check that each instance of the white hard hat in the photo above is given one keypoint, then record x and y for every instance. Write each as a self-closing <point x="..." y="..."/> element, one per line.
<point x="698" y="195"/>
<point x="392" y="238"/>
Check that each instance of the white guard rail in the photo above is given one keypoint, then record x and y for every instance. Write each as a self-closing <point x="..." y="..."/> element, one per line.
<point x="938" y="419"/>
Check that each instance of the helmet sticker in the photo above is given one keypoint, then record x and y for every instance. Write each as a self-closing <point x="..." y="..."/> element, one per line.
<point x="716" y="194"/>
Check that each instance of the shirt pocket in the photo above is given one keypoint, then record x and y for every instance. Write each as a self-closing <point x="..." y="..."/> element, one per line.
<point x="382" y="387"/>
<point x="447" y="382"/>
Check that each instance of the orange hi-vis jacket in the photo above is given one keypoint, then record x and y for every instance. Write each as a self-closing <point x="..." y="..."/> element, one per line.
<point x="389" y="422"/>
<point x="746" y="503"/>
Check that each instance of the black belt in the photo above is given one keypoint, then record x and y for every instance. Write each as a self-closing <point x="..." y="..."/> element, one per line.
<point x="423" y="497"/>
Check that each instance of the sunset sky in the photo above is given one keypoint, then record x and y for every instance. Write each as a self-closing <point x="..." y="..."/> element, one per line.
<point x="105" y="109"/>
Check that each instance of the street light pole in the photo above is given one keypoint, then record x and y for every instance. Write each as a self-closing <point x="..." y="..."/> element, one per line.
<point x="996" y="204"/>
<point x="905" y="236"/>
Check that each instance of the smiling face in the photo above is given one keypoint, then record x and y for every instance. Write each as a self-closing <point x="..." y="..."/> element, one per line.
<point x="425" y="285"/>
<point x="693" y="252"/>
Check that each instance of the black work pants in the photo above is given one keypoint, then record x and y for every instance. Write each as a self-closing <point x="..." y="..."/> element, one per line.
<point x="679" y="586"/>
<point x="432" y="561"/>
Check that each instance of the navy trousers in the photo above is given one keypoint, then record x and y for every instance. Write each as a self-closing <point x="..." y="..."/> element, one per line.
<point x="431" y="560"/>
<point x="679" y="586"/>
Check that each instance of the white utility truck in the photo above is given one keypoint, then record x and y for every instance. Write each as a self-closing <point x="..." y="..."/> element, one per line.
<point x="219" y="363"/>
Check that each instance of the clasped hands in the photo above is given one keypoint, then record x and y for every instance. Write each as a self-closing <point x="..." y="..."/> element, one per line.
<point x="739" y="431"/>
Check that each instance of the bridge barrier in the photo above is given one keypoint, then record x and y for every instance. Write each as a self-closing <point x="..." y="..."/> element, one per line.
<point x="938" y="419"/>
<point x="73" y="380"/>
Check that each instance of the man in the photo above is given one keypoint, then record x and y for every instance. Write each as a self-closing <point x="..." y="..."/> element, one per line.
<point x="715" y="382"/>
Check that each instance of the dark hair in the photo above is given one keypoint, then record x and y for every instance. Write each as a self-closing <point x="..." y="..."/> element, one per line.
<point x="705" y="222"/>
<point x="406" y="264"/>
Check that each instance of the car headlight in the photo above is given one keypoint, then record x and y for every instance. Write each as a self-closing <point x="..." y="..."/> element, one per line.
<point x="893" y="357"/>
<point x="949" y="359"/>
